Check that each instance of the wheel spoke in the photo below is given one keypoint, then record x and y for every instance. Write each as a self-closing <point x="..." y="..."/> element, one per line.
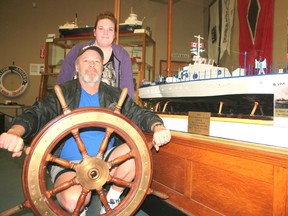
<point x="121" y="182"/>
<point x="103" y="199"/>
<point x="120" y="159"/>
<point x="80" y="201"/>
<point x="61" y="162"/>
<point x="104" y="143"/>
<point x="62" y="187"/>
<point x="80" y="143"/>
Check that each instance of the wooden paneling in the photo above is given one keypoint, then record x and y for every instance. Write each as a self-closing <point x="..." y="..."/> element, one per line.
<point x="280" y="191"/>
<point x="211" y="176"/>
<point x="230" y="192"/>
<point x="175" y="167"/>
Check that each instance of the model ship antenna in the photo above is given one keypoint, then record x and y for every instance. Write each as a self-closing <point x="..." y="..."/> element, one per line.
<point x="76" y="19"/>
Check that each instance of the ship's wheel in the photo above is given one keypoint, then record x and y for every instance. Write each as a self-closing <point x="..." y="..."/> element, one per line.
<point x="92" y="173"/>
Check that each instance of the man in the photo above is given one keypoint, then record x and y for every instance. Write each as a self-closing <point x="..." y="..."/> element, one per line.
<point x="87" y="90"/>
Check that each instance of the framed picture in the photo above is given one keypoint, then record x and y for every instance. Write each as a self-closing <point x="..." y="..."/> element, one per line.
<point x="175" y="67"/>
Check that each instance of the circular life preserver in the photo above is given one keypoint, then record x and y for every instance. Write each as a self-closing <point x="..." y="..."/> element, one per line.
<point x="24" y="81"/>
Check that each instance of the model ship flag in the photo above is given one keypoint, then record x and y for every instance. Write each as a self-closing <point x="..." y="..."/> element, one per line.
<point x="197" y="47"/>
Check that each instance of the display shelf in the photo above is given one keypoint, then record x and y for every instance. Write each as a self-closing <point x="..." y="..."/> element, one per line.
<point x="140" y="47"/>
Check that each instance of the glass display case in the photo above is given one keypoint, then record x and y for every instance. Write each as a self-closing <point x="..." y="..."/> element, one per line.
<point x="140" y="47"/>
<point x="142" y="50"/>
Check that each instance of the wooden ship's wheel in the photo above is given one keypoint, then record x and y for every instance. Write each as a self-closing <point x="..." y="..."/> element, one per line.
<point x="92" y="173"/>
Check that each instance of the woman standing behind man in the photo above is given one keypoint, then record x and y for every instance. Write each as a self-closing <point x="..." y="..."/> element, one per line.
<point x="117" y="69"/>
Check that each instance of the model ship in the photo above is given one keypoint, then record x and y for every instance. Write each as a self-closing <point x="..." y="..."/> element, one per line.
<point x="71" y="29"/>
<point x="131" y="23"/>
<point x="201" y="86"/>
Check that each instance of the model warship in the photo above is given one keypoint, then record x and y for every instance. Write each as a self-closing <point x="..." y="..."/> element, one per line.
<point x="202" y="86"/>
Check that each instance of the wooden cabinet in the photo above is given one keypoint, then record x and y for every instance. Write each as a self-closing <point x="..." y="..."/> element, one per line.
<point x="140" y="46"/>
<point x="55" y="52"/>
<point x="211" y="176"/>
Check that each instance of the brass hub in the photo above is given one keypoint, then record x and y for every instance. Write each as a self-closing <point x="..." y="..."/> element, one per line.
<point x="92" y="173"/>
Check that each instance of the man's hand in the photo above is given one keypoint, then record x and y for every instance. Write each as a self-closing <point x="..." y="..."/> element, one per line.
<point x="12" y="143"/>
<point x="161" y="136"/>
<point x="12" y="140"/>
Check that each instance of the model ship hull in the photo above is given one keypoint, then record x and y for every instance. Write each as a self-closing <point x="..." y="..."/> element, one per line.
<point x="129" y="27"/>
<point x="237" y="93"/>
<point x="76" y="32"/>
<point x="257" y="84"/>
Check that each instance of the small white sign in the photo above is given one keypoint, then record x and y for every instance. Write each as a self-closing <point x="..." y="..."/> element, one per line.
<point x="281" y="106"/>
<point x="36" y="69"/>
<point x="180" y="55"/>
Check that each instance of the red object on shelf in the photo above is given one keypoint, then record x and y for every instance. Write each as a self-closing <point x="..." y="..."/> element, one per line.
<point x="42" y="52"/>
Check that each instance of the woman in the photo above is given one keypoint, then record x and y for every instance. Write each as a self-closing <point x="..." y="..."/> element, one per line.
<point x="117" y="70"/>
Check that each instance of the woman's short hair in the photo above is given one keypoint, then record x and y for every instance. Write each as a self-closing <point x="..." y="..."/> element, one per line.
<point x="106" y="15"/>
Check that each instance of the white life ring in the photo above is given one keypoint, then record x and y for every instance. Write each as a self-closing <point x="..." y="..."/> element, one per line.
<point x="24" y="81"/>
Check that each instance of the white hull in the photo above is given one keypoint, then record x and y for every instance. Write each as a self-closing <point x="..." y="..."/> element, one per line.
<point x="257" y="84"/>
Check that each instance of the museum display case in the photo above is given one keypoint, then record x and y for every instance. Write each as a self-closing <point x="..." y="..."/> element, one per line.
<point x="140" y="47"/>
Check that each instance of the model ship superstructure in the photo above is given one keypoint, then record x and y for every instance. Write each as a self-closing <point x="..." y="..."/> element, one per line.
<point x="131" y="23"/>
<point x="202" y="86"/>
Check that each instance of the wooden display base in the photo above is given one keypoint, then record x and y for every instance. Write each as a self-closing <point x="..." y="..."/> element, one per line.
<point x="207" y="176"/>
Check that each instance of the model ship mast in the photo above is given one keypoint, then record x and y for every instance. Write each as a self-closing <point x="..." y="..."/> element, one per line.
<point x="199" y="45"/>
<point x="197" y="48"/>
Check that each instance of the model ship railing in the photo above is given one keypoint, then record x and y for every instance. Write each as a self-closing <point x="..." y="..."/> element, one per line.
<point x="208" y="74"/>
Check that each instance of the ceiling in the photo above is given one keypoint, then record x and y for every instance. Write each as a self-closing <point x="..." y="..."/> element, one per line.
<point x="204" y="3"/>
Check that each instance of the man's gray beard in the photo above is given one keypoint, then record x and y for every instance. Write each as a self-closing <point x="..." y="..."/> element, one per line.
<point x="89" y="79"/>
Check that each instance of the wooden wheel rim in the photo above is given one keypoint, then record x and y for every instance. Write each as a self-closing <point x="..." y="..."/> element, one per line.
<point x="35" y="163"/>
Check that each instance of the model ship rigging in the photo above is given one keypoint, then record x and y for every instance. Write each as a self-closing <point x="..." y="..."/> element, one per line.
<point x="202" y="86"/>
